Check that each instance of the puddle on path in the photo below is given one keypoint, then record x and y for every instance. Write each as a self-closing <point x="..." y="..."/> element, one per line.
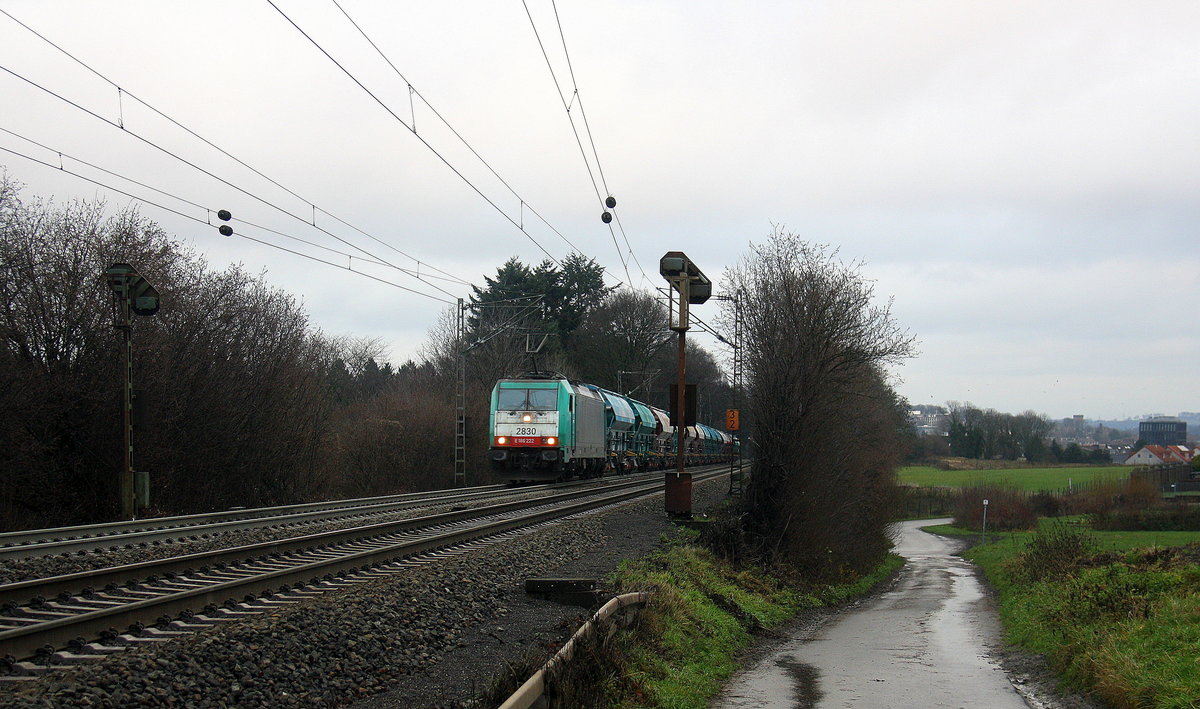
<point x="923" y="644"/>
<point x="806" y="682"/>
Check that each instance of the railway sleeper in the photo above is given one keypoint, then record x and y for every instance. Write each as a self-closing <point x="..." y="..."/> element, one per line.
<point x="192" y="626"/>
<point x="66" y="657"/>
<point x="101" y="649"/>
<point x="31" y="669"/>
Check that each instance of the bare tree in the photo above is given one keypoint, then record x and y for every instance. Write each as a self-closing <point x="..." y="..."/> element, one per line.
<point x="234" y="375"/>
<point x="825" y="424"/>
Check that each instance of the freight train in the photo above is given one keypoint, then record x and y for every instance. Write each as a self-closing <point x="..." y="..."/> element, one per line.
<point x="546" y="428"/>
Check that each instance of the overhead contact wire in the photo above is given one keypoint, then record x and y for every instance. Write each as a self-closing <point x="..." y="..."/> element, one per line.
<point x="209" y="173"/>
<point x="244" y="236"/>
<point x="563" y="99"/>
<point x="176" y="197"/>
<point x="587" y="126"/>
<point x="414" y="91"/>
<point x="412" y="129"/>
<point x="578" y="141"/>
<point x="121" y="125"/>
<point x="578" y="97"/>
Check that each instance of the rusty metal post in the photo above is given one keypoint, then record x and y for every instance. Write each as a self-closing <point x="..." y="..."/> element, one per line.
<point x="688" y="286"/>
<point x="678" y="491"/>
<point x="679" y="486"/>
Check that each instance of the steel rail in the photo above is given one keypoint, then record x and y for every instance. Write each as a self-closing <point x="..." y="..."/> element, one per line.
<point x="27" y="641"/>
<point x="49" y="587"/>
<point x="35" y="543"/>
<point x="149" y="524"/>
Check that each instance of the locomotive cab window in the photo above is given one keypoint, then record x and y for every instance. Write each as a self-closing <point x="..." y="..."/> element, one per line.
<point x="543" y="399"/>
<point x="527" y="400"/>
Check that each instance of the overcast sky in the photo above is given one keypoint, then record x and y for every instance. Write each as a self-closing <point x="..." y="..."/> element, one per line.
<point x="1022" y="177"/>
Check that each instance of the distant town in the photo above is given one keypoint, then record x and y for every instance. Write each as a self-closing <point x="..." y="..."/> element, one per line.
<point x="964" y="430"/>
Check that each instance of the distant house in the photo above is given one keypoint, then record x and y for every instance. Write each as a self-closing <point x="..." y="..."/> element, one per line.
<point x="928" y="423"/>
<point x="1161" y="455"/>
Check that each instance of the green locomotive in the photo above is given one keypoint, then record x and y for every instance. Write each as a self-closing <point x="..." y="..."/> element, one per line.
<point x="546" y="428"/>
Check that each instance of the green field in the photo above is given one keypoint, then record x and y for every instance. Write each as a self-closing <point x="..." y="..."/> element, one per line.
<point x="1032" y="479"/>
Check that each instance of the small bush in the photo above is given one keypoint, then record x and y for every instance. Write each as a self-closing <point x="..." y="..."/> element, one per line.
<point x="1054" y="551"/>
<point x="1008" y="508"/>
<point x="1106" y="495"/>
<point x="726" y="536"/>
<point x="1046" y="504"/>
<point x="1178" y="518"/>
<point x="926" y="502"/>
<point x="1114" y="591"/>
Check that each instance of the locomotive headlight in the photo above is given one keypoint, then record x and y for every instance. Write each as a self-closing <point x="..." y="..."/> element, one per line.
<point x="551" y="441"/>
<point x="501" y="440"/>
<point x="527" y="418"/>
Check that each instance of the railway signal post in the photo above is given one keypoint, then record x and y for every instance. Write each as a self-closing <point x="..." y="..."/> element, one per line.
<point x="132" y="295"/>
<point x="689" y="286"/>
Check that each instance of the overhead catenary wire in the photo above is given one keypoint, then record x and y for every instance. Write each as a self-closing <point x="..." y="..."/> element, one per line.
<point x="61" y="155"/>
<point x="587" y="127"/>
<point x="121" y="92"/>
<point x="194" y="218"/>
<point x="216" y="177"/>
<point x="413" y="91"/>
<point x="576" y="97"/>
<point x="562" y="97"/>
<point x="412" y="128"/>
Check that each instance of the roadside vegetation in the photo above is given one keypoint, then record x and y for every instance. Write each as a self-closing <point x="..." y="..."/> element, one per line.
<point x="1105" y="583"/>
<point x="685" y="643"/>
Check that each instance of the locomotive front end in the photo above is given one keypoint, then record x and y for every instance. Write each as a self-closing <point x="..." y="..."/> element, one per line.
<point x="526" y="417"/>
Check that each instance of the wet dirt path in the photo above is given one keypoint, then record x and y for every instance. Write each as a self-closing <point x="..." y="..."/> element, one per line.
<point x="922" y="643"/>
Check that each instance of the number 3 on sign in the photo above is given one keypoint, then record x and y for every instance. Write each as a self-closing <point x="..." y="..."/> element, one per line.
<point x="732" y="419"/>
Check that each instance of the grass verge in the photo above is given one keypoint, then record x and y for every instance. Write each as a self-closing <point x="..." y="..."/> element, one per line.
<point x="685" y="642"/>
<point x="1117" y="614"/>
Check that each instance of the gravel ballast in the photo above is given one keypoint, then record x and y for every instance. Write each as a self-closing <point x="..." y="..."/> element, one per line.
<point x="431" y="637"/>
<point x="192" y="541"/>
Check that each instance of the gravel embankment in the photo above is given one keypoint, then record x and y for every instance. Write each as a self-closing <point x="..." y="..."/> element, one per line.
<point x="190" y="542"/>
<point x="431" y="637"/>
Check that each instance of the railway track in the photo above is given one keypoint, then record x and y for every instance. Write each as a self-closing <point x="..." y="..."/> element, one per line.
<point x="42" y="615"/>
<point x="70" y="540"/>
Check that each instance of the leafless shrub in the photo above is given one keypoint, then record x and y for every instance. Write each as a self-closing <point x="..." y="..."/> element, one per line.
<point x="1007" y="508"/>
<point x="825" y="423"/>
<point x="1108" y="494"/>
